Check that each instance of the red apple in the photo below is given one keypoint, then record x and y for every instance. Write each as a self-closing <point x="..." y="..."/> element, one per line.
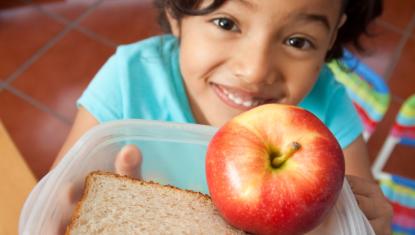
<point x="275" y="169"/>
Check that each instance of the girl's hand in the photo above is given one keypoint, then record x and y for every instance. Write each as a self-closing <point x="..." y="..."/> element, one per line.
<point x="373" y="204"/>
<point x="127" y="162"/>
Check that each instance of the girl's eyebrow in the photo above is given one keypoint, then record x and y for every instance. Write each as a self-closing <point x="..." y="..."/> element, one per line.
<point x="302" y="16"/>
<point x="322" y="19"/>
<point x="246" y="3"/>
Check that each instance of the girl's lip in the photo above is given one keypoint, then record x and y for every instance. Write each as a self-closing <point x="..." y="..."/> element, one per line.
<point x="221" y="90"/>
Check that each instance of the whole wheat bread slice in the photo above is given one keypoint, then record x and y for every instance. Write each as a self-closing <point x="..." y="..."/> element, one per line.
<point x="113" y="204"/>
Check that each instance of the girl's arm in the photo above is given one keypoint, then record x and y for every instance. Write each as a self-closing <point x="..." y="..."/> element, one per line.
<point x="367" y="192"/>
<point x="83" y="122"/>
<point x="357" y="159"/>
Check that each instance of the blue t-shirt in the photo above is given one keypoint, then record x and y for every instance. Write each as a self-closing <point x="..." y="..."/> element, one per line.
<point x="143" y="81"/>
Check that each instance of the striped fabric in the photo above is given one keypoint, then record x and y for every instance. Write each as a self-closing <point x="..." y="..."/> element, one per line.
<point x="400" y="192"/>
<point x="404" y="127"/>
<point x="367" y="90"/>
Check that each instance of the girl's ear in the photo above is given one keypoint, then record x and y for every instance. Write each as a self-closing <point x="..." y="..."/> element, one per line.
<point x="342" y="20"/>
<point x="174" y="23"/>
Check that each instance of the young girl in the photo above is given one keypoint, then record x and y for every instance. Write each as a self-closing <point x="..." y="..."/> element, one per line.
<point x="225" y="57"/>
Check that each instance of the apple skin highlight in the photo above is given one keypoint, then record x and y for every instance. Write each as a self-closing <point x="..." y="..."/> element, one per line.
<point x="253" y="194"/>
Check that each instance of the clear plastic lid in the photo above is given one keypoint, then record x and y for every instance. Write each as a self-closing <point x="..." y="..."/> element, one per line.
<point x="173" y="153"/>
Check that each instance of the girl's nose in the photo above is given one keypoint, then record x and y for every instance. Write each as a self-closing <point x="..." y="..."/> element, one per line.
<point x="254" y="63"/>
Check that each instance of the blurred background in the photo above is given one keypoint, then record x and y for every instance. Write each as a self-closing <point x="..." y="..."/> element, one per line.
<point x="50" y="50"/>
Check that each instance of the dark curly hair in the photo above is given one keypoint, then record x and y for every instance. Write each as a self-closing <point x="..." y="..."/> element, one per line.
<point x="360" y="14"/>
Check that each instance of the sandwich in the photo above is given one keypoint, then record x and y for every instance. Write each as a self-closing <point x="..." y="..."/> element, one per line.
<point x="114" y="204"/>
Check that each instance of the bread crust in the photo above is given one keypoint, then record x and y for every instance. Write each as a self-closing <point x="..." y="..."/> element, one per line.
<point x="89" y="180"/>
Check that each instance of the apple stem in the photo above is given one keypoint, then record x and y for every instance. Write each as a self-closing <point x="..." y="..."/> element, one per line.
<point x="279" y="160"/>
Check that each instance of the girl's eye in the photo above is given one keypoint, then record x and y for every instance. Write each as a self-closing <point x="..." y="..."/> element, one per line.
<point x="226" y="24"/>
<point x="300" y="43"/>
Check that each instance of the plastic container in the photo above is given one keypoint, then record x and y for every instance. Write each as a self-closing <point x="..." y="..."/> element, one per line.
<point x="173" y="153"/>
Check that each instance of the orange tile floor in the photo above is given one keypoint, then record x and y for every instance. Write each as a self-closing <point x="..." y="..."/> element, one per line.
<point x="50" y="50"/>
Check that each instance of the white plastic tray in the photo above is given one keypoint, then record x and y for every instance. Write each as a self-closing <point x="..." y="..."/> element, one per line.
<point x="173" y="153"/>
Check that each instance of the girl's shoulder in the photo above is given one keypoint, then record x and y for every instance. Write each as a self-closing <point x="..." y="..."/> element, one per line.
<point x="325" y="87"/>
<point x="155" y="46"/>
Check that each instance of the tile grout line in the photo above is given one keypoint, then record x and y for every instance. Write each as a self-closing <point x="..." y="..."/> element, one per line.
<point x="390" y="26"/>
<point x="2" y="85"/>
<point x="65" y="21"/>
<point x="90" y="33"/>
<point x="57" y="17"/>
<point x="96" y="36"/>
<point x="35" y="57"/>
<point x="398" y="51"/>
<point x="36" y="104"/>
<point x="49" y="44"/>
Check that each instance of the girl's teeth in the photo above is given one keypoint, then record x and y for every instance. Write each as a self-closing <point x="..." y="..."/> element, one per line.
<point x="248" y="103"/>
<point x="239" y="101"/>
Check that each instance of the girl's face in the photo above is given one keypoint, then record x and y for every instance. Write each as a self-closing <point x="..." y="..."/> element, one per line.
<point x="251" y="52"/>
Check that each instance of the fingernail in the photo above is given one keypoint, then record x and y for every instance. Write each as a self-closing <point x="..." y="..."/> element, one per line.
<point x="131" y="155"/>
<point x="131" y="158"/>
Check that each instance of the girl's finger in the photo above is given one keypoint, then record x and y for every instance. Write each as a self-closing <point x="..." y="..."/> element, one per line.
<point x="368" y="206"/>
<point x="128" y="161"/>
<point x="381" y="226"/>
<point x="375" y="207"/>
<point x="362" y="186"/>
